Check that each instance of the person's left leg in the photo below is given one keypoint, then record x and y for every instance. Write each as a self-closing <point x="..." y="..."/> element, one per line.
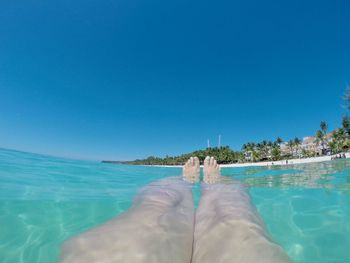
<point x="158" y="228"/>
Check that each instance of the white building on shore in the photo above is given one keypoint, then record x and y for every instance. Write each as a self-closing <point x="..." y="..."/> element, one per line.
<point x="310" y="144"/>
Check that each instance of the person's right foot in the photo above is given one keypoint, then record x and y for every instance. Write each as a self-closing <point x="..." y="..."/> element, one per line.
<point x="191" y="169"/>
<point x="211" y="171"/>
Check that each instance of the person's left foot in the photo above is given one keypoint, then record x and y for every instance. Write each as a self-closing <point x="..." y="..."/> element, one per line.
<point x="190" y="170"/>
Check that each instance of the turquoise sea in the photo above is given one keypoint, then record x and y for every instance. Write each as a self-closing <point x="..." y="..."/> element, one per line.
<point x="45" y="200"/>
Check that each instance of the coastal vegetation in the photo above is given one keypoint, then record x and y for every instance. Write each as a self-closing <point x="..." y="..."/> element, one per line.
<point x="222" y="154"/>
<point x="322" y="143"/>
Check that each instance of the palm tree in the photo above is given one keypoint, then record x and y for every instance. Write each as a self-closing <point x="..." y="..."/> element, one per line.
<point x="255" y="156"/>
<point x="335" y="142"/>
<point x="341" y="137"/>
<point x="338" y="140"/>
<point x="346" y="125"/>
<point x="290" y="144"/>
<point x="259" y="150"/>
<point x="346" y="121"/>
<point x="279" y="140"/>
<point x="347" y="97"/>
<point x="265" y="148"/>
<point x="320" y="138"/>
<point x="321" y="135"/>
<point x="249" y="150"/>
<point x="324" y="127"/>
<point x="297" y="143"/>
<point x="276" y="152"/>
<point x="297" y="140"/>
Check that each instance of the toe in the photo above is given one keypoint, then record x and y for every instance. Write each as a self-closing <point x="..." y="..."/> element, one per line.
<point x="211" y="162"/>
<point x="207" y="161"/>
<point x="191" y="161"/>
<point x="186" y="164"/>
<point x="196" y="161"/>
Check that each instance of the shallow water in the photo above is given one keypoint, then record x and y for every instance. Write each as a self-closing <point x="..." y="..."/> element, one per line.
<point x="45" y="200"/>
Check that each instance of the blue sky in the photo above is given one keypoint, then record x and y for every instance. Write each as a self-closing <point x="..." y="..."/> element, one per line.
<point x="128" y="79"/>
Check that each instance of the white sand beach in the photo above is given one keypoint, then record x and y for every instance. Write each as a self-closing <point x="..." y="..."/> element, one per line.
<point x="271" y="163"/>
<point x="284" y="162"/>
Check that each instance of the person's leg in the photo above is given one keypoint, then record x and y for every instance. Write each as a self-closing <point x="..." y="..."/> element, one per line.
<point x="227" y="226"/>
<point x="158" y="228"/>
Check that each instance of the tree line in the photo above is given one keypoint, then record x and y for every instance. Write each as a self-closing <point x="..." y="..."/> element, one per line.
<point x="222" y="154"/>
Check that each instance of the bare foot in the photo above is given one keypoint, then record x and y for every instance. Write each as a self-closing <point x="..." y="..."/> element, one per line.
<point x="190" y="171"/>
<point x="211" y="171"/>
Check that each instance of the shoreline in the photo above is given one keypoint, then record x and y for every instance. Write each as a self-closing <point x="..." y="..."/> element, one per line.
<point x="271" y="163"/>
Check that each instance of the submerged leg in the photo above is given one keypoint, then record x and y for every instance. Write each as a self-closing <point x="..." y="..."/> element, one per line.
<point x="158" y="228"/>
<point x="228" y="227"/>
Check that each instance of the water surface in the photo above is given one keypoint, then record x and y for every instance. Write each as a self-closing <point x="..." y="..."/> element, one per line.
<point x="45" y="200"/>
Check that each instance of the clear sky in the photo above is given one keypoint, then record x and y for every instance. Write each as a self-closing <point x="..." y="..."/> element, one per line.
<point x="127" y="79"/>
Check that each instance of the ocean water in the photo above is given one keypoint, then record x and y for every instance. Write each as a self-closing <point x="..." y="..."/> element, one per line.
<point x="45" y="200"/>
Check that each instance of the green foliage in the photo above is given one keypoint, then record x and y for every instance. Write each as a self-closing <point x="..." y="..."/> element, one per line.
<point x="276" y="153"/>
<point x="263" y="151"/>
<point x="222" y="154"/>
<point x="324" y="127"/>
<point x="290" y="145"/>
<point x="346" y="122"/>
<point x="279" y="140"/>
<point x="347" y="97"/>
<point x="320" y="138"/>
<point x="339" y="141"/>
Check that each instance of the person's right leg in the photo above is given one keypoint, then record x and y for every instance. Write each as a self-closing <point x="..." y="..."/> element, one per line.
<point x="227" y="226"/>
<point x="158" y="228"/>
